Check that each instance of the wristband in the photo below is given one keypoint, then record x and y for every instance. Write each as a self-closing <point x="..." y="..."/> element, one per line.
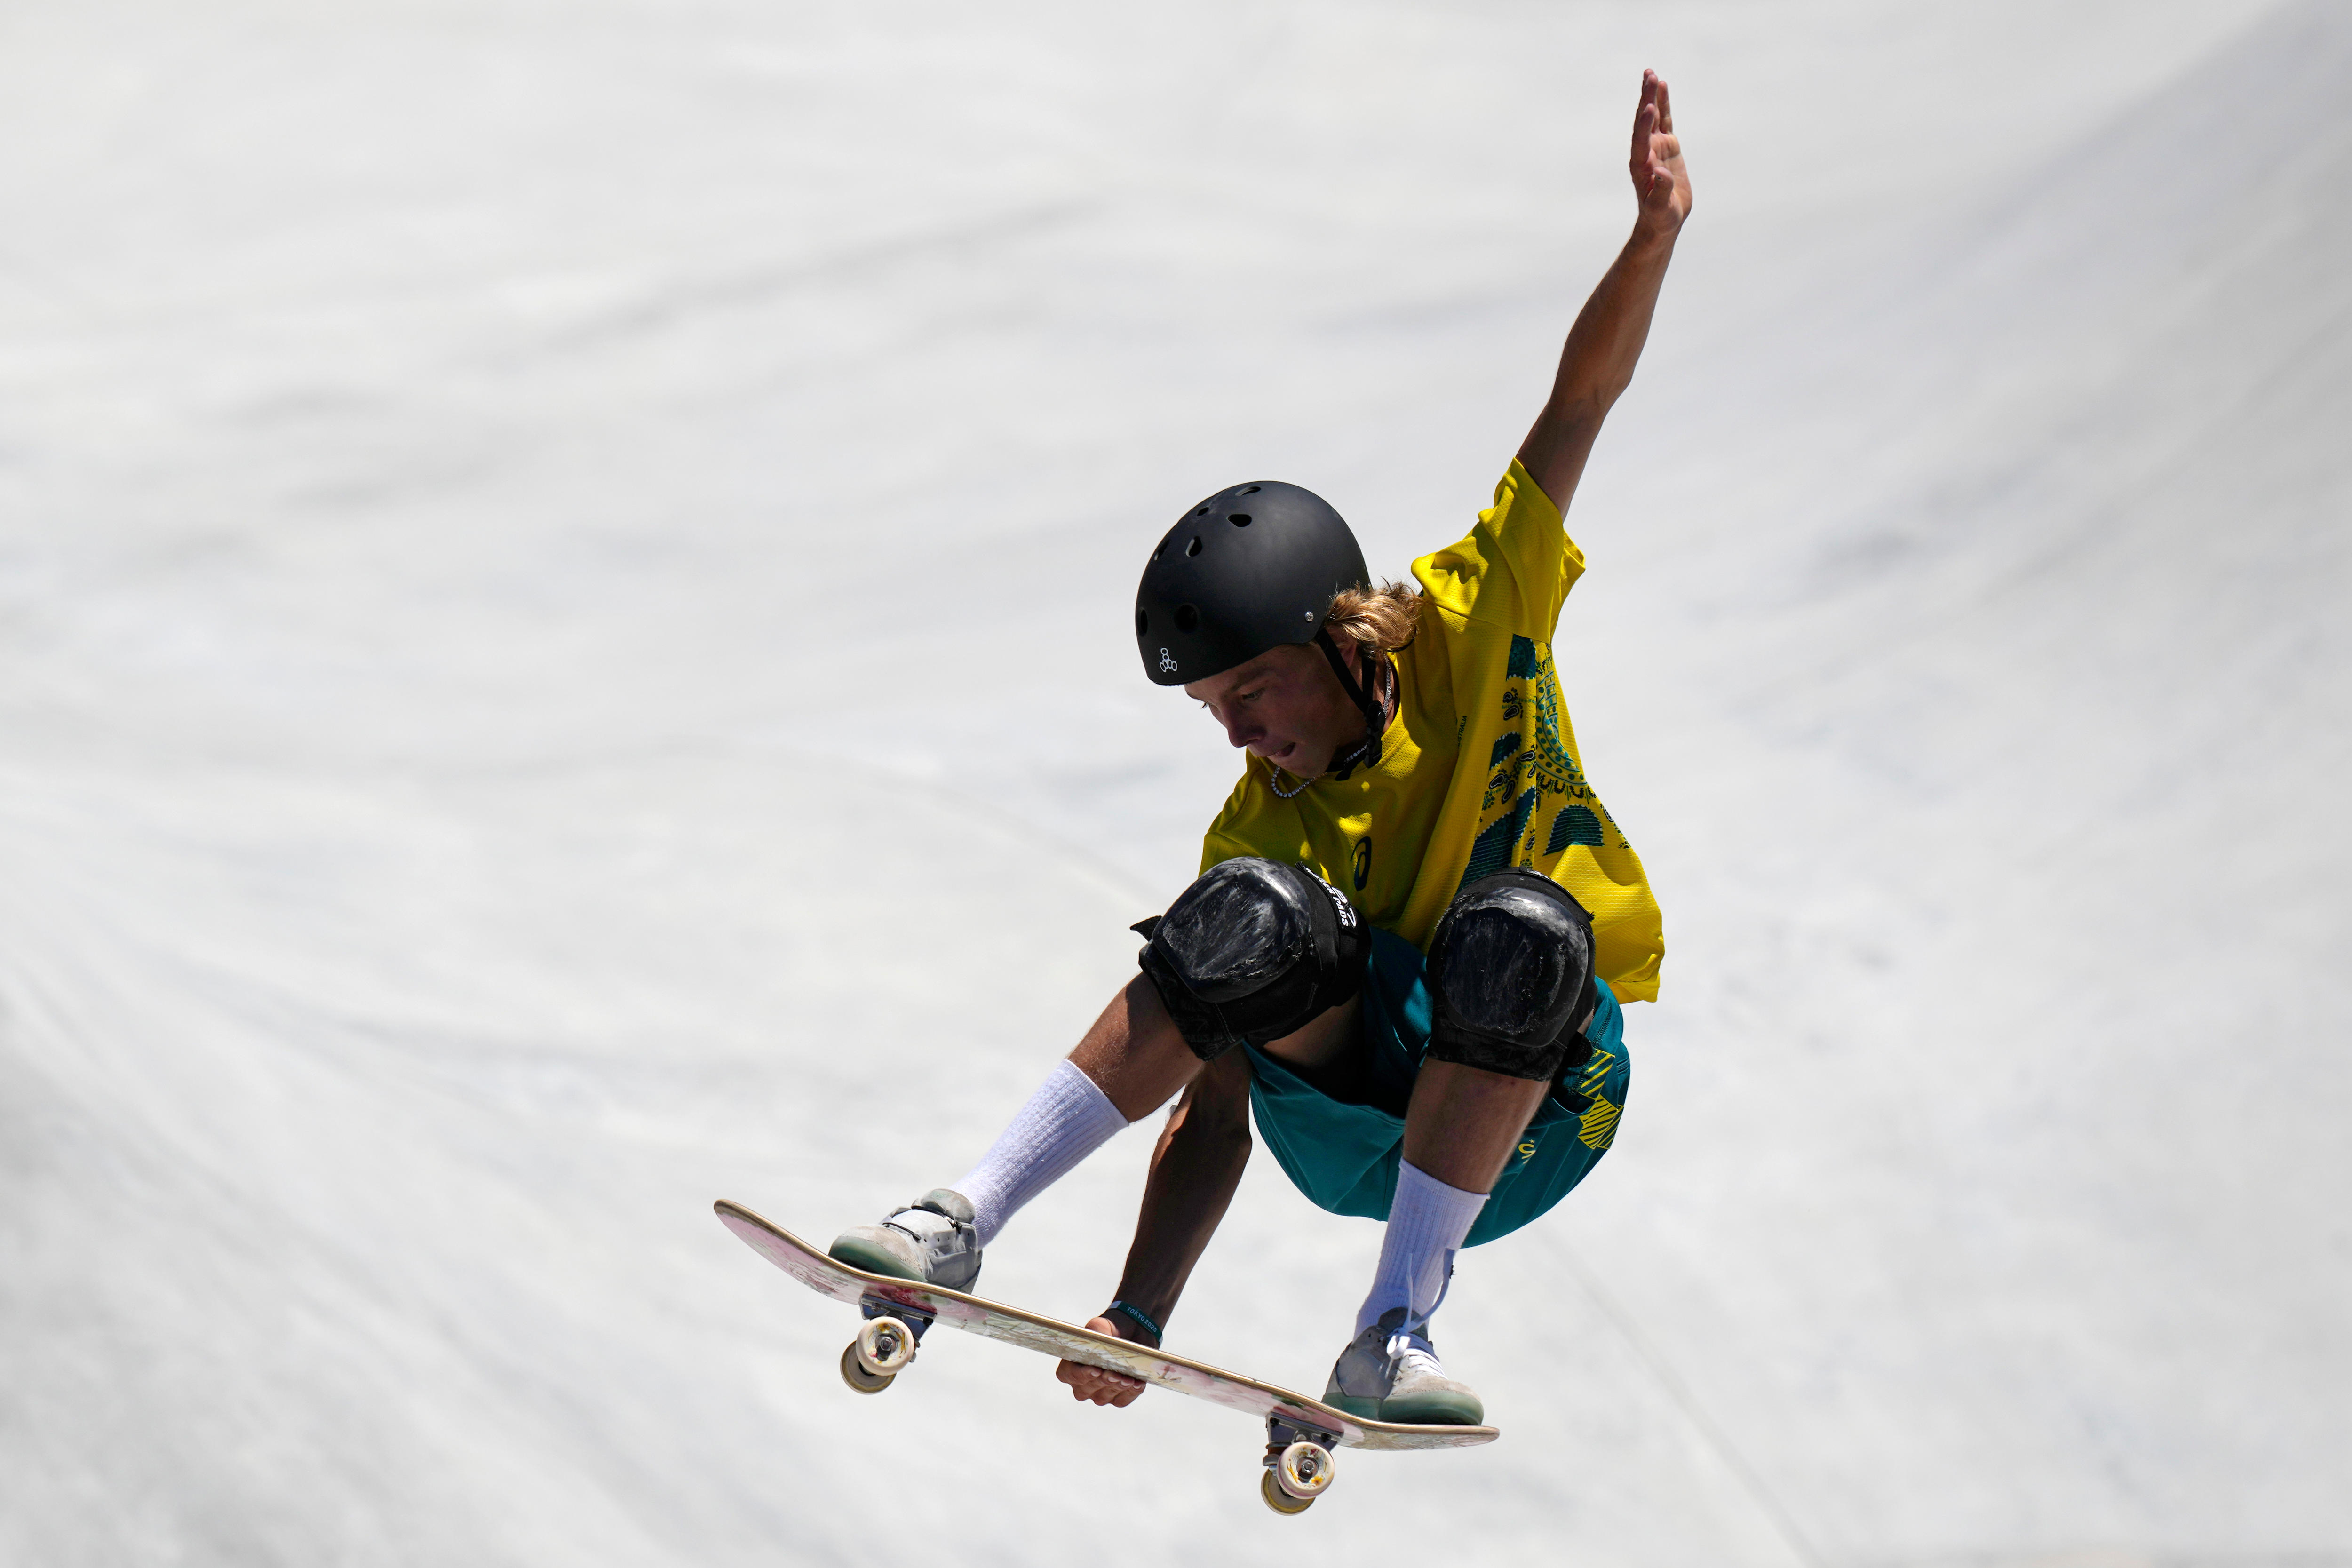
<point x="1142" y="1319"/>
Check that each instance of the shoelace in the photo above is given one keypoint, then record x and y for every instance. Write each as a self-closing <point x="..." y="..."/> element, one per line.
<point x="1410" y="1352"/>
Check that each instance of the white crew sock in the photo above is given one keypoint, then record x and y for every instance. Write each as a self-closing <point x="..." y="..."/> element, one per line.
<point x="1065" y="1121"/>
<point x="1427" y="1224"/>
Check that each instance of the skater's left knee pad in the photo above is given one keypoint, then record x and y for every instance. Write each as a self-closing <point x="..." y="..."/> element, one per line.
<point x="1252" y="951"/>
<point x="1510" y="973"/>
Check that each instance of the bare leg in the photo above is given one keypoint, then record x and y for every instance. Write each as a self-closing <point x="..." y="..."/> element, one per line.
<point x="1137" y="1057"/>
<point x="1135" y="1054"/>
<point x="1463" y="1123"/>
<point x="1325" y="1052"/>
<point x="1200" y="1156"/>
<point x="1130" y="1062"/>
<point x="1460" y="1128"/>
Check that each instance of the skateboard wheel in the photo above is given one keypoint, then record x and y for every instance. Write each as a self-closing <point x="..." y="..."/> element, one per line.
<point x="857" y="1377"/>
<point x="885" y="1346"/>
<point x="1302" y="1471"/>
<point x="1276" y="1499"/>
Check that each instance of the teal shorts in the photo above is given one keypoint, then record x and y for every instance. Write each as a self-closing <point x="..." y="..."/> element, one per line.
<point x="1343" y="1155"/>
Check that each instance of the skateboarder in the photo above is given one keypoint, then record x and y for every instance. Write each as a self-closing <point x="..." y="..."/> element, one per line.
<point x="1415" y="922"/>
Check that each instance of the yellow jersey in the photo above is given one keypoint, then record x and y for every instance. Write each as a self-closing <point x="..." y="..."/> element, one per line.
<point x="1479" y="768"/>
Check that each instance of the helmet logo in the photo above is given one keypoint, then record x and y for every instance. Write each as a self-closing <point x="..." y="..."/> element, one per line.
<point x="1167" y="662"/>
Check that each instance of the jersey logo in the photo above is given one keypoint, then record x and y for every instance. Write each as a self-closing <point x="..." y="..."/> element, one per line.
<point x="1533" y="784"/>
<point x="1363" y="861"/>
<point x="1598" y="1127"/>
<point x="1347" y="912"/>
<point x="1167" y="662"/>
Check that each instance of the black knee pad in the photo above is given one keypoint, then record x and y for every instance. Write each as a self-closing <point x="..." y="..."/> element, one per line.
<point x="1253" y="951"/>
<point x="1510" y="972"/>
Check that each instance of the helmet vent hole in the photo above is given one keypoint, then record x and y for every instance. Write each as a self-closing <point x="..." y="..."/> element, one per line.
<point x="1249" y="489"/>
<point x="1187" y="617"/>
<point x="1193" y="548"/>
<point x="1239" y="519"/>
<point x="1142" y="621"/>
<point x="1202" y="512"/>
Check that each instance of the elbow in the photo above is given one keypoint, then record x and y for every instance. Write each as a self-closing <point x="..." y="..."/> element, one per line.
<point x="1573" y="421"/>
<point x="1593" y="401"/>
<point x="1223" y="1130"/>
<point x="1213" y="1117"/>
<point x="1224" y="1122"/>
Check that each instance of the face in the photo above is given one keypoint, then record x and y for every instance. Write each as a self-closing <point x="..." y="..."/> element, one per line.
<point x="1285" y="706"/>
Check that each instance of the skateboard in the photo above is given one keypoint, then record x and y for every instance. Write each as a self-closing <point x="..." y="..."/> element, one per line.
<point x="1301" y="1433"/>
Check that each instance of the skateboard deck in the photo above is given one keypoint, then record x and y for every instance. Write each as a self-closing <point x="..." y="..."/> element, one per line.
<point x="1288" y="1416"/>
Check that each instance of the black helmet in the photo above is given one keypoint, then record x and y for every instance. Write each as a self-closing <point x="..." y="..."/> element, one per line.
<point x="1251" y="568"/>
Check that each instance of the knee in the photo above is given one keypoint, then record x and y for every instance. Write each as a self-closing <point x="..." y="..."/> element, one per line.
<point x="1251" y="952"/>
<point x="1510" y="973"/>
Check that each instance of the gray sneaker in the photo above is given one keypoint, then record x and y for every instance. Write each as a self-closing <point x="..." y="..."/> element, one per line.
<point x="931" y="1241"/>
<point x="1389" y="1374"/>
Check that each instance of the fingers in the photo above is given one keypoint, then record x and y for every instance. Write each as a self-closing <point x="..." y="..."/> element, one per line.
<point x="1654" y="142"/>
<point x="1657" y="151"/>
<point x="1655" y="99"/>
<point x="1092" y="1382"/>
<point x="1114" y="1391"/>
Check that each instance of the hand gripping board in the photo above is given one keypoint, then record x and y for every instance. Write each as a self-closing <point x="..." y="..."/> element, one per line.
<point x="1067" y="1342"/>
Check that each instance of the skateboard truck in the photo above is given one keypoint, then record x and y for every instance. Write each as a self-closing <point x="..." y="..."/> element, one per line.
<point x="1298" y="1463"/>
<point x="884" y="1343"/>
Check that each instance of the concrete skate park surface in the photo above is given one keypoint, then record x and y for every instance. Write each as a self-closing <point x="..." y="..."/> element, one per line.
<point x="563" y="586"/>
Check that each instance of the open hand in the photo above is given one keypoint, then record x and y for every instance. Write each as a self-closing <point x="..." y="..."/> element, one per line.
<point x="1092" y="1381"/>
<point x="1660" y="180"/>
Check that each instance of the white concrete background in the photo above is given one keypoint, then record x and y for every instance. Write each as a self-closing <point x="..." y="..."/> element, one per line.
<point x="563" y="583"/>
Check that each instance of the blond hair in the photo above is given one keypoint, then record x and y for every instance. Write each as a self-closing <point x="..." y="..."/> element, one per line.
<point x="1377" y="620"/>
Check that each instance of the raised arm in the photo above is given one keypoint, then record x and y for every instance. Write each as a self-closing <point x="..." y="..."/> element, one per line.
<point x="1603" y="346"/>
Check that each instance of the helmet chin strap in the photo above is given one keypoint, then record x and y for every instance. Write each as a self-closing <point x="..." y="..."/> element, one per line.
<point x="1368" y="750"/>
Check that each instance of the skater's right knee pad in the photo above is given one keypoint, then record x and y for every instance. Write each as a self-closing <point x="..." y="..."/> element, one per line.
<point x="1510" y="976"/>
<point x="1252" y="951"/>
